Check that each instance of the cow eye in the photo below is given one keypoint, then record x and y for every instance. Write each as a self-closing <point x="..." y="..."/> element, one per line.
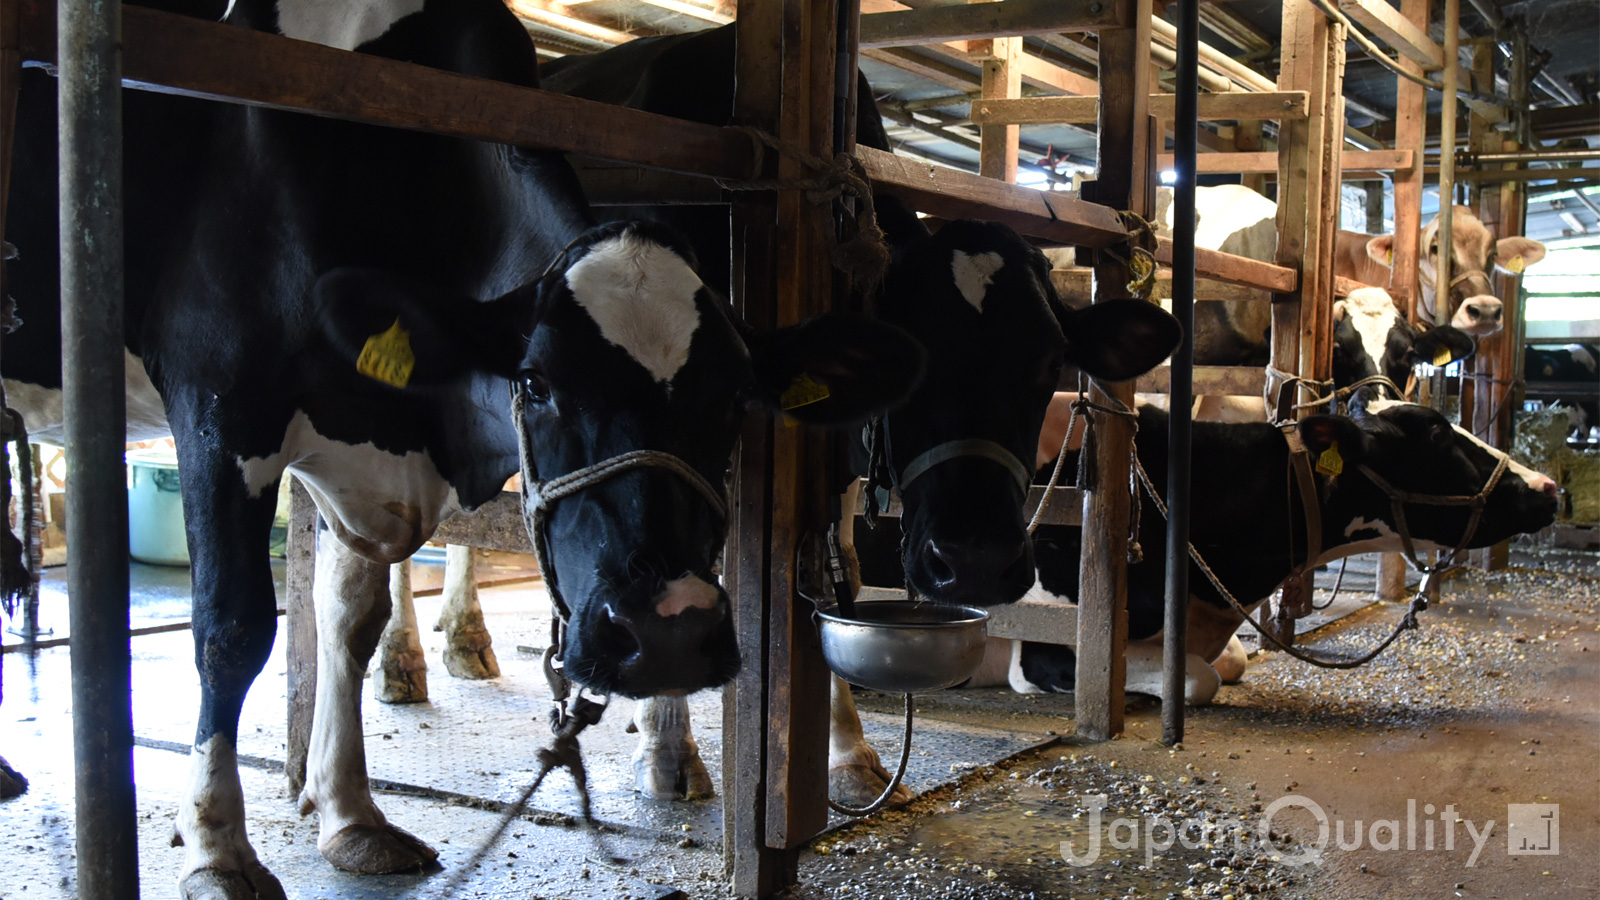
<point x="534" y="387"/>
<point x="1441" y="435"/>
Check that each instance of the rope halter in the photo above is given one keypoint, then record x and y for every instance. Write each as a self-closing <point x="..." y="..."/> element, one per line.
<point x="539" y="497"/>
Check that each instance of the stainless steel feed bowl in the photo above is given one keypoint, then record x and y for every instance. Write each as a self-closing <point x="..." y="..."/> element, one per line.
<point x="902" y="646"/>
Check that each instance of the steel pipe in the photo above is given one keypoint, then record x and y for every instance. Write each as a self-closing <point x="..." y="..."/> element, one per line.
<point x="90" y="121"/>
<point x="1214" y="59"/>
<point x="1523" y="156"/>
<point x="1185" y="128"/>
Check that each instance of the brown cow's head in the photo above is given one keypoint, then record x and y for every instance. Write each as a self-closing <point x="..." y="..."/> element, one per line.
<point x="1473" y="307"/>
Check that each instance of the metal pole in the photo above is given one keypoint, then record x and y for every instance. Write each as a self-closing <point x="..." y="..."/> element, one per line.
<point x="89" y="51"/>
<point x="1185" y="126"/>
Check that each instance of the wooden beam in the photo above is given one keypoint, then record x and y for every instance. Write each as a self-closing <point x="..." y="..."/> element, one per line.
<point x="557" y="16"/>
<point x="685" y="8"/>
<point x="1212" y="381"/>
<point x="300" y="626"/>
<point x="1351" y="161"/>
<point x="1235" y="30"/>
<point x="496" y="525"/>
<point x="936" y="24"/>
<point x="1213" y="107"/>
<point x="1410" y="133"/>
<point x="1075" y="281"/>
<point x="1392" y="27"/>
<point x="1230" y="269"/>
<point x="161" y="53"/>
<point x="918" y="64"/>
<point x="1002" y="81"/>
<point x="951" y="194"/>
<point x="1036" y="72"/>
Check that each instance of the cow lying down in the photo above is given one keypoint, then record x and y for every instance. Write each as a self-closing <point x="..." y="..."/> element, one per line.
<point x="1249" y="525"/>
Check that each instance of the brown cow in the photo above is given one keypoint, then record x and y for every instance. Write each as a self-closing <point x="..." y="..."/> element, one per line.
<point x="1473" y="306"/>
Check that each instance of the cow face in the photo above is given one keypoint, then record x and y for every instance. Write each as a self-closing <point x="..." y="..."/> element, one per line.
<point x="1472" y="307"/>
<point x="1370" y="337"/>
<point x="618" y="348"/>
<point x="979" y="298"/>
<point x="1417" y="450"/>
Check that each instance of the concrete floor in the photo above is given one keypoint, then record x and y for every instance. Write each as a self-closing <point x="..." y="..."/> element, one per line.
<point x="1495" y="701"/>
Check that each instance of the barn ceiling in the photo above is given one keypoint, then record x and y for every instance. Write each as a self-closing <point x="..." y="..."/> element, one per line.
<point x="924" y="92"/>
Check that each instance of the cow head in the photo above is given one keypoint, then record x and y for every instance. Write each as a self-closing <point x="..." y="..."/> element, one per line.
<point x="619" y="347"/>
<point x="1473" y="307"/>
<point x="1416" y="450"/>
<point x="1371" y="337"/>
<point x="979" y="298"/>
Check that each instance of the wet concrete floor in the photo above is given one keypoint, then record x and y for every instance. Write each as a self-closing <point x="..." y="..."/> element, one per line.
<point x="1489" y="715"/>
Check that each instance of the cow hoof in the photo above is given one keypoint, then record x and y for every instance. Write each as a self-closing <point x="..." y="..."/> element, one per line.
<point x="401" y="681"/>
<point x="378" y="850"/>
<point x="681" y="778"/>
<point x="12" y="784"/>
<point x="859" y="786"/>
<point x="1230" y="665"/>
<point x="255" y="883"/>
<point x="470" y="656"/>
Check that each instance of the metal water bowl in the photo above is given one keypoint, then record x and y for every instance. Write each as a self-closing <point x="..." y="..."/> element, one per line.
<point x="904" y="646"/>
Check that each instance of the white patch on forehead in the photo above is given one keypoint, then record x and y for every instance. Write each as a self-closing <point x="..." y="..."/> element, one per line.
<point x="974" y="272"/>
<point x="642" y="296"/>
<point x="1360" y="523"/>
<point x="346" y="24"/>
<point x="1373" y="316"/>
<point x="1581" y="355"/>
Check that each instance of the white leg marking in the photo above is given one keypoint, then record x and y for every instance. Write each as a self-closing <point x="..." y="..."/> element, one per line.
<point x="667" y="764"/>
<point x="468" y="651"/>
<point x="211" y="817"/>
<point x="349" y="592"/>
<point x="400" y="672"/>
<point x="856" y="776"/>
<point x="1144" y="673"/>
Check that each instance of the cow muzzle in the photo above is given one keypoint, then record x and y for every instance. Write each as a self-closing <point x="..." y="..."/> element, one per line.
<point x="1480" y="315"/>
<point x="641" y="653"/>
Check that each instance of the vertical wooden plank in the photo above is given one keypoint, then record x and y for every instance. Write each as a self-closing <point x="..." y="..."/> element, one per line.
<point x="1316" y="301"/>
<point x="797" y="687"/>
<point x="1247" y="139"/>
<point x="1123" y="176"/>
<point x="1002" y="80"/>
<point x="300" y="626"/>
<point x="1411" y="128"/>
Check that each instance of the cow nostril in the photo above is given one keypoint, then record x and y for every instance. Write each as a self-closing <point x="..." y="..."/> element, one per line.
<point x="939" y="565"/>
<point x="1550" y="488"/>
<point x="621" y="634"/>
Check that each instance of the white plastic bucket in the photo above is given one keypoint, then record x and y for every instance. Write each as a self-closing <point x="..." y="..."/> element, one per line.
<point x="155" y="509"/>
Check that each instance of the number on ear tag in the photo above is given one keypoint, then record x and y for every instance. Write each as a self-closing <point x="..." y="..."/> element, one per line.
<point x="1515" y="264"/>
<point x="387" y="357"/>
<point x="1441" y="357"/>
<point x="1330" y="463"/>
<point x="803" y="392"/>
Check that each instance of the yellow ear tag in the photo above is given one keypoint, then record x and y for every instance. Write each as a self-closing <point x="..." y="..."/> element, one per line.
<point x="1441" y="357"/>
<point x="1391" y="259"/>
<point x="1330" y="463"/>
<point x="1515" y="264"/>
<point x="803" y="392"/>
<point x="387" y="357"/>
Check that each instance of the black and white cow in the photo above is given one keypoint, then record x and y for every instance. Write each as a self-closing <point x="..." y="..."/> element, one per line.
<point x="978" y="298"/>
<point x="1249" y="525"/>
<point x="1571" y="375"/>
<point x="265" y="250"/>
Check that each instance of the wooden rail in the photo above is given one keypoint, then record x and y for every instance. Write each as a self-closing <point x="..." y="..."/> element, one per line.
<point x="938" y="24"/>
<point x="1278" y="105"/>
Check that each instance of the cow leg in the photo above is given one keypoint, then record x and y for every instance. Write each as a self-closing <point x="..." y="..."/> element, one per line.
<point x="234" y="623"/>
<point x="12" y="784"/>
<point x="352" y="600"/>
<point x="401" y="675"/>
<point x="856" y="776"/>
<point x="1230" y="664"/>
<point x="667" y="764"/>
<point x="467" y="650"/>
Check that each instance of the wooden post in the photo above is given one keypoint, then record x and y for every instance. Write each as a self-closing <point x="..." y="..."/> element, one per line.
<point x="300" y="627"/>
<point x="1410" y="131"/>
<point x="1447" y="172"/>
<point x="775" y="745"/>
<point x="1122" y="181"/>
<point x="1247" y="139"/>
<point x="1002" y="80"/>
<point x="1308" y="187"/>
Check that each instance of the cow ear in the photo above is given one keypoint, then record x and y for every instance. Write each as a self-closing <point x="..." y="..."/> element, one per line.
<point x="1116" y="340"/>
<point x="404" y="333"/>
<point x="1442" y="346"/>
<point x="1381" y="250"/>
<point x="835" y="369"/>
<point x="1319" y="433"/>
<point x="1513" y="254"/>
